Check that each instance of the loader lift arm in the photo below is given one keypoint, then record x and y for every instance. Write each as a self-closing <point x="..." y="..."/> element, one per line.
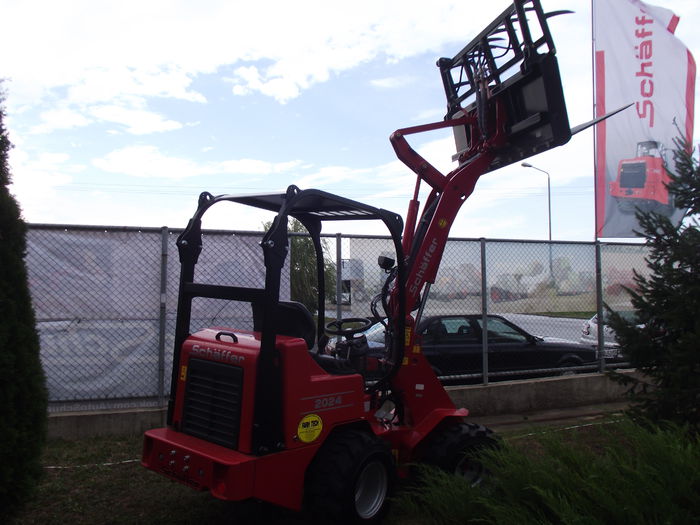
<point x="505" y="103"/>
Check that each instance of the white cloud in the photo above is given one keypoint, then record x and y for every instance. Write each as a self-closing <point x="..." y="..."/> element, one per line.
<point x="136" y="121"/>
<point x="429" y="115"/>
<point x="256" y="167"/>
<point x="249" y="79"/>
<point x="377" y="183"/>
<point x="392" y="82"/>
<point x="34" y="180"/>
<point x="148" y="161"/>
<point x="82" y="62"/>
<point x="54" y="119"/>
<point x="118" y="81"/>
<point x="157" y="48"/>
<point x="329" y="176"/>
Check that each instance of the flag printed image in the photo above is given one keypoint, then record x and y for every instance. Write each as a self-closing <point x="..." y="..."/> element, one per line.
<point x="638" y="61"/>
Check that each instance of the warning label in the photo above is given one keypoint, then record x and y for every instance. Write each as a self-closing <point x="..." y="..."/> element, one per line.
<point x="309" y="428"/>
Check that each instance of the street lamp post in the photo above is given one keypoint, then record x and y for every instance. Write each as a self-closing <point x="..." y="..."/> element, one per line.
<point x="549" y="212"/>
<point x="549" y="196"/>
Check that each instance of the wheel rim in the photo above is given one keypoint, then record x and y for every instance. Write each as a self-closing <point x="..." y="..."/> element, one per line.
<point x="470" y="469"/>
<point x="371" y="489"/>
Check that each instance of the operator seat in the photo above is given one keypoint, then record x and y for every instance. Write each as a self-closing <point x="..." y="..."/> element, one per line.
<point x="293" y="319"/>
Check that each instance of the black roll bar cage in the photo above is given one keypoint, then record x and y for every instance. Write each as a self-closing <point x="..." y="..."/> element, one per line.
<point x="311" y="207"/>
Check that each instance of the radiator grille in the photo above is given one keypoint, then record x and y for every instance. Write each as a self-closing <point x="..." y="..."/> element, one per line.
<point x="212" y="408"/>
<point x="633" y="175"/>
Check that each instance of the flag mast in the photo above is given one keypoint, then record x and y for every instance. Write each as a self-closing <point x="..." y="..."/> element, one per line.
<point x="595" y="128"/>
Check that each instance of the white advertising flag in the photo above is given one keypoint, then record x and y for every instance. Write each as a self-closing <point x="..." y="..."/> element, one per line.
<point x="638" y="61"/>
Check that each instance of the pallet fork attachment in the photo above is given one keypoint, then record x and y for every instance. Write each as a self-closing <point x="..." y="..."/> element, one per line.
<point x="504" y="103"/>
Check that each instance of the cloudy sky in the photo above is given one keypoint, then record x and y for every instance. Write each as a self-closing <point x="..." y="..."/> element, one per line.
<point x="122" y="112"/>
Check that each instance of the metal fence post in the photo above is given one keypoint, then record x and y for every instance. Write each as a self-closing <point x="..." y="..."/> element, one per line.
<point x="338" y="276"/>
<point x="484" y="315"/>
<point x="164" y="236"/>
<point x="599" y="305"/>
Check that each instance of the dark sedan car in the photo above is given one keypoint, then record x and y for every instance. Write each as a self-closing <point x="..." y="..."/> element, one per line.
<point x="453" y="345"/>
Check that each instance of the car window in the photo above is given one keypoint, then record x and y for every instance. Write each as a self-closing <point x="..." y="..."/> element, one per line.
<point x="501" y="332"/>
<point x="434" y="332"/>
<point x="627" y="315"/>
<point x="449" y="330"/>
<point x="453" y="325"/>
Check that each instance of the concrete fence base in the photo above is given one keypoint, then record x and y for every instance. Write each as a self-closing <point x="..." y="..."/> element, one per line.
<point x="503" y="397"/>
<point x="514" y="397"/>
<point x="124" y="422"/>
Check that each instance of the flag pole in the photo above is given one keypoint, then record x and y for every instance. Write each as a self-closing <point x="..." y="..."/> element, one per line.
<point x="598" y="248"/>
<point x="595" y="128"/>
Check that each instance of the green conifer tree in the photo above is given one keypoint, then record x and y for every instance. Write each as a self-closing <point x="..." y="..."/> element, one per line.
<point x="23" y="398"/>
<point x="302" y="267"/>
<point x="663" y="342"/>
<point x="302" y="262"/>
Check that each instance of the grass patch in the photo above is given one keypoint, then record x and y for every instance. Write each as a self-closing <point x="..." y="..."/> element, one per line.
<point x="613" y="473"/>
<point x="100" y="483"/>
<point x="624" y="474"/>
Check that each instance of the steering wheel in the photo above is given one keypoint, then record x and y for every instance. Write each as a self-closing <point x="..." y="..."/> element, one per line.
<point x="336" y="327"/>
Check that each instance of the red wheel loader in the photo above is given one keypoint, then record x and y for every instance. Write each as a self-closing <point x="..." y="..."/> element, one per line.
<point x="262" y="413"/>
<point x="641" y="181"/>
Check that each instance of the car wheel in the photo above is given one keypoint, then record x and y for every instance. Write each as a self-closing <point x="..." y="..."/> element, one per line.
<point x="350" y="479"/>
<point x="626" y="206"/>
<point x="455" y="448"/>
<point x="564" y="366"/>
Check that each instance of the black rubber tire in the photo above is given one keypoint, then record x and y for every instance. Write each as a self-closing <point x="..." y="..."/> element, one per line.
<point x="455" y="447"/>
<point x="350" y="479"/>
<point x="626" y="206"/>
<point x="567" y="364"/>
<point x="666" y="209"/>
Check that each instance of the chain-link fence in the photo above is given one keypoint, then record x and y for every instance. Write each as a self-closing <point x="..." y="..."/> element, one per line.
<point x="106" y="298"/>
